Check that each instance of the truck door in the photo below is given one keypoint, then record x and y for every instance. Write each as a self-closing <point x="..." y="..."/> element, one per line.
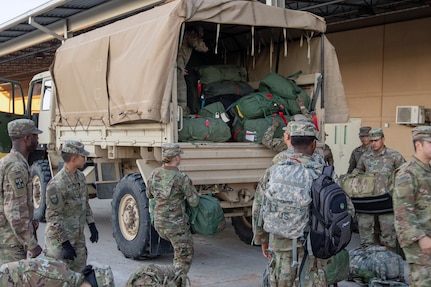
<point x="12" y="106"/>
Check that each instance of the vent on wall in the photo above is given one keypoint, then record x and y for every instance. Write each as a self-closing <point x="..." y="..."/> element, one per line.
<point x="410" y="115"/>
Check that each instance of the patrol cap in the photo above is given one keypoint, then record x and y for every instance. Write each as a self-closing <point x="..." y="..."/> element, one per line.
<point x="364" y="131"/>
<point x="74" y="147"/>
<point x="22" y="127"/>
<point x="376" y="134"/>
<point x="301" y="118"/>
<point x="422" y="133"/>
<point x="171" y="149"/>
<point x="104" y="276"/>
<point x="302" y="129"/>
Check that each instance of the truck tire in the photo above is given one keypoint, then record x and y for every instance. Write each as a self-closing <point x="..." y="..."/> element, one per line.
<point x="131" y="217"/>
<point x="40" y="175"/>
<point x="242" y="226"/>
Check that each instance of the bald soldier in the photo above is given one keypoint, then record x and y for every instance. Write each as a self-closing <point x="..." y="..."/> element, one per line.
<point x="44" y="272"/>
<point x="412" y="208"/>
<point x="170" y="188"/>
<point x="68" y="210"/>
<point x="17" y="227"/>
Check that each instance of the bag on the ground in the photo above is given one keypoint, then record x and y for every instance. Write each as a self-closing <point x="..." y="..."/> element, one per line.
<point x="208" y="217"/>
<point x="377" y="282"/>
<point x="253" y="130"/>
<point x="204" y="129"/>
<point x="287" y="198"/>
<point x="384" y="263"/>
<point x="337" y="269"/>
<point x="216" y="73"/>
<point x="331" y="222"/>
<point x="156" y="275"/>
<point x="259" y="105"/>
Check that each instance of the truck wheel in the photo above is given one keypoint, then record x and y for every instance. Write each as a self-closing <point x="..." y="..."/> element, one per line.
<point x="243" y="228"/>
<point x="130" y="216"/>
<point x="40" y="175"/>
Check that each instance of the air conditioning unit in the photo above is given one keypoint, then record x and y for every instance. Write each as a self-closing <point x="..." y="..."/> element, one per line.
<point x="410" y="115"/>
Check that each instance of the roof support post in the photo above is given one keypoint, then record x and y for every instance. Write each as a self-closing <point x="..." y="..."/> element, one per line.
<point x="44" y="29"/>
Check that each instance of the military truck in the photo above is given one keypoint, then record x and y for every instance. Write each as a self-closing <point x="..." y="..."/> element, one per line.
<point x="115" y="89"/>
<point x="12" y="107"/>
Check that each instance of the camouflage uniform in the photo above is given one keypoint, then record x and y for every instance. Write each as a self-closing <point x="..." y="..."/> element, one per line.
<point x="41" y="272"/>
<point x="412" y="209"/>
<point x="381" y="164"/>
<point x="281" y="271"/>
<point x="16" y="200"/>
<point x="357" y="152"/>
<point x="169" y="188"/>
<point x="67" y="213"/>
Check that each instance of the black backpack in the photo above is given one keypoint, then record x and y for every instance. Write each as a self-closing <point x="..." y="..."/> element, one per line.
<point x="331" y="223"/>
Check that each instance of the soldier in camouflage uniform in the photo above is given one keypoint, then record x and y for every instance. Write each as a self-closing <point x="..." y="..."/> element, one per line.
<point x="282" y="144"/>
<point x="303" y="139"/>
<point x="17" y="227"/>
<point x="412" y="208"/>
<point x="170" y="188"/>
<point x="41" y="272"/>
<point x="357" y="152"/>
<point x="68" y="210"/>
<point x="381" y="162"/>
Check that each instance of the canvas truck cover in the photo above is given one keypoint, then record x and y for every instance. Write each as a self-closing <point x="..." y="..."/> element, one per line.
<point x="125" y="71"/>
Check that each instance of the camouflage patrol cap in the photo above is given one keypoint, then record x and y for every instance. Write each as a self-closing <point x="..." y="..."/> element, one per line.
<point x="364" y="131"/>
<point x="171" y="150"/>
<point x="422" y="133"/>
<point x="302" y="129"/>
<point x="22" y="127"/>
<point x="104" y="276"/>
<point x="74" y="147"/>
<point x="376" y="134"/>
<point x="298" y="118"/>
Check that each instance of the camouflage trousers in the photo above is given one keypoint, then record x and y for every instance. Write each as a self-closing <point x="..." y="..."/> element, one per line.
<point x="80" y="260"/>
<point x="384" y="231"/>
<point x="282" y="274"/>
<point x="9" y="254"/>
<point x="420" y="276"/>
<point x="182" y="242"/>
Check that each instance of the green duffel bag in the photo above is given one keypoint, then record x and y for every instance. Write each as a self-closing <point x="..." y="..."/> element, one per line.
<point x="253" y="130"/>
<point x="215" y="110"/>
<point x="287" y="89"/>
<point x="338" y="269"/>
<point x="216" y="73"/>
<point x="224" y="87"/>
<point x="208" y="217"/>
<point x="259" y="105"/>
<point x="204" y="129"/>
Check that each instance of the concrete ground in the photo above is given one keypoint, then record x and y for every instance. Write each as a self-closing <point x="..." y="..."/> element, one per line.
<point x="222" y="261"/>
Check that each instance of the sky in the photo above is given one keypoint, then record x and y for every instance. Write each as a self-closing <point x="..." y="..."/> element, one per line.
<point x="13" y="8"/>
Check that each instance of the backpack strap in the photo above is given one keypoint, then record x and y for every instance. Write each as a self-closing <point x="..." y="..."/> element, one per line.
<point x="328" y="170"/>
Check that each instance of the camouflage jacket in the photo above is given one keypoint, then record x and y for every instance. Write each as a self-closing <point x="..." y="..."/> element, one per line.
<point x="382" y="165"/>
<point x="38" y="272"/>
<point x="67" y="210"/>
<point x="169" y="188"/>
<point x="355" y="156"/>
<point x="412" y="208"/>
<point x="16" y="202"/>
<point x="288" y="153"/>
<point x="260" y="235"/>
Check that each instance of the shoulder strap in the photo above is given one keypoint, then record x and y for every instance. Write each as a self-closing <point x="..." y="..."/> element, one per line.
<point x="328" y="170"/>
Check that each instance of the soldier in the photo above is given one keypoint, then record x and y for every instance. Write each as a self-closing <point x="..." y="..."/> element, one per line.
<point x="357" y="152"/>
<point x="412" y="210"/>
<point x="282" y="144"/>
<point x="17" y="227"/>
<point x="379" y="161"/>
<point x="39" y="272"/>
<point x="282" y="273"/>
<point x="169" y="187"/>
<point x="68" y="210"/>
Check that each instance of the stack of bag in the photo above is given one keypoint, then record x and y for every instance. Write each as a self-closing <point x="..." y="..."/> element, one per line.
<point x="232" y="110"/>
